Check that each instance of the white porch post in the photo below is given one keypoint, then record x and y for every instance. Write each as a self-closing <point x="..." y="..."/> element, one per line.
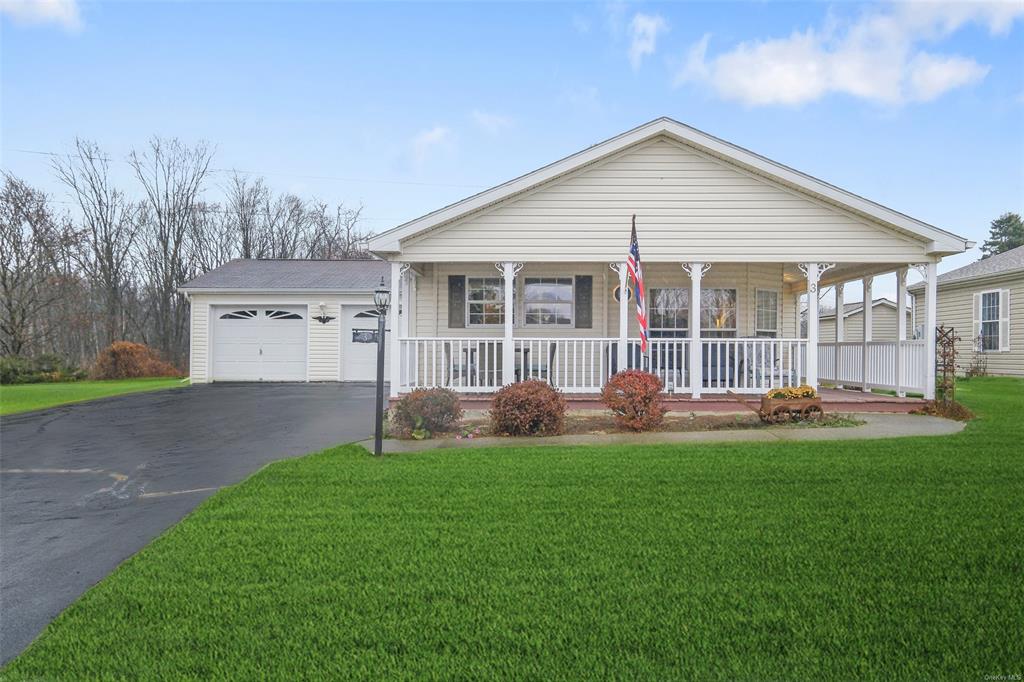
<point x="930" y="322"/>
<point x="508" y="351"/>
<point x="811" y="270"/>
<point x="901" y="326"/>
<point x="696" y="272"/>
<point x="394" y="324"/>
<point x="840" y="329"/>
<point x="868" y="317"/>
<point x="621" y="356"/>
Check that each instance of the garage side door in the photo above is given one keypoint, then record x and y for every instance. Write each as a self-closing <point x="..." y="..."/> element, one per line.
<point x="359" y="344"/>
<point x="258" y="343"/>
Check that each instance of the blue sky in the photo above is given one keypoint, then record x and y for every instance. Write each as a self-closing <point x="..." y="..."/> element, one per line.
<point x="407" y="107"/>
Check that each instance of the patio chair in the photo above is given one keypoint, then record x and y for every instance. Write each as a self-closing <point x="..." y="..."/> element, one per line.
<point x="541" y="367"/>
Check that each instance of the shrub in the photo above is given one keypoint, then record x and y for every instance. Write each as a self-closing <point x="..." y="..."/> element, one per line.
<point x="130" y="360"/>
<point x="424" y="412"/>
<point x="634" y="397"/>
<point x="42" y="368"/>
<point x="528" y="408"/>
<point x="950" y="410"/>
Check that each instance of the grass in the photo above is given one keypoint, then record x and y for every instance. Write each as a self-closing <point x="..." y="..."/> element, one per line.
<point x="852" y="559"/>
<point x="27" y="397"/>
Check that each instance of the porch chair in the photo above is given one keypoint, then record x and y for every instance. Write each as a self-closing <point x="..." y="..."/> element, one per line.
<point x="540" y="368"/>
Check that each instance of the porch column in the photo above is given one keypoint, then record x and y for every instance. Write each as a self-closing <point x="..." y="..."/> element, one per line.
<point x="508" y="351"/>
<point x="868" y="317"/>
<point x="696" y="272"/>
<point x="621" y="354"/>
<point x="840" y="330"/>
<point x="901" y="326"/>
<point x="395" y="326"/>
<point x="930" y="322"/>
<point x="811" y="270"/>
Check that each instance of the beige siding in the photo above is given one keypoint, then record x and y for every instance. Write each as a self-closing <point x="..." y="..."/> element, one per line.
<point x="199" y="343"/>
<point x="432" y="296"/>
<point x="883" y="326"/>
<point x="324" y="360"/>
<point x="955" y="308"/>
<point x="689" y="206"/>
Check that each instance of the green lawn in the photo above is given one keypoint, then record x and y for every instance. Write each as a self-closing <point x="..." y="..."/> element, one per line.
<point x="26" y="397"/>
<point x="871" y="559"/>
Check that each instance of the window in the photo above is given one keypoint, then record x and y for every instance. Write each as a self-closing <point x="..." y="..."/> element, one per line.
<point x="239" y="315"/>
<point x="485" y="300"/>
<point x="766" y="314"/>
<point x="283" y="315"/>
<point x="548" y="301"/>
<point x="717" y="313"/>
<point x="669" y="312"/>
<point x="990" y="320"/>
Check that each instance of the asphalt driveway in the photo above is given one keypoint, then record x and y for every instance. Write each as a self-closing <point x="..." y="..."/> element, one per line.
<point x="83" y="487"/>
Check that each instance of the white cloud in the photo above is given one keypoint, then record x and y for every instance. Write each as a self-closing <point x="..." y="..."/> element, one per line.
<point x="429" y="140"/>
<point x="490" y="123"/>
<point x="644" y="30"/>
<point x="64" y="13"/>
<point x="876" y="57"/>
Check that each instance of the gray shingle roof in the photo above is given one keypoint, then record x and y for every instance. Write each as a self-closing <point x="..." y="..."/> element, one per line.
<point x="276" y="275"/>
<point x="857" y="305"/>
<point x="1007" y="261"/>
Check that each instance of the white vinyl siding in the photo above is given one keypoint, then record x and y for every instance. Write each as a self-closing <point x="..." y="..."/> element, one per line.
<point x="690" y="206"/>
<point x="199" y="355"/>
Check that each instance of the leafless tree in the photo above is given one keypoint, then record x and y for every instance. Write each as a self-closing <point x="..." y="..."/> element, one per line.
<point x="213" y="239"/>
<point x="33" y="246"/>
<point x="110" y="226"/>
<point x="171" y="175"/>
<point x="244" y="214"/>
<point x="336" y="234"/>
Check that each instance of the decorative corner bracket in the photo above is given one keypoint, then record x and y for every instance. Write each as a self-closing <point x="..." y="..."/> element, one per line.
<point x="922" y="269"/>
<point x="616" y="267"/>
<point x="516" y="267"/>
<point x="688" y="267"/>
<point x="404" y="268"/>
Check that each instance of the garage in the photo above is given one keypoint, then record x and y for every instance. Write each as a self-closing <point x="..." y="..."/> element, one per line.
<point x="259" y="343"/>
<point x="359" y="344"/>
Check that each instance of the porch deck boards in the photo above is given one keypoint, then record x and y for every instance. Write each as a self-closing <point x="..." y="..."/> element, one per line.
<point x="834" y="400"/>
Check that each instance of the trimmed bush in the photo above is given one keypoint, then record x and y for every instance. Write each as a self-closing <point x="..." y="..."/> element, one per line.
<point x="40" y="369"/>
<point x="529" y="408"/>
<point x="634" y="397"/>
<point x="130" y="360"/>
<point x="424" y="412"/>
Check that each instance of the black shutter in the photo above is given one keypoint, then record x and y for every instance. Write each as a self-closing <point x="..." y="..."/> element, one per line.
<point x="456" y="301"/>
<point x="584" y="301"/>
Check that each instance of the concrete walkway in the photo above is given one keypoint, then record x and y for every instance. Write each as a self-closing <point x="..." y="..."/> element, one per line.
<point x="875" y="426"/>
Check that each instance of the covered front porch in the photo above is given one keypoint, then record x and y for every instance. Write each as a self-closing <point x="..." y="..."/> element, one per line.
<point x="756" y="328"/>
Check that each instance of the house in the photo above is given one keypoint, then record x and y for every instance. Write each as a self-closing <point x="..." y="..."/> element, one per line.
<point x="527" y="280"/>
<point x="984" y="303"/>
<point x="285" y="320"/>
<point x="883" y="322"/>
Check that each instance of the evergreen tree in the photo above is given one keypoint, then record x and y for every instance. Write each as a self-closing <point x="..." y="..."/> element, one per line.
<point x="1007" y="233"/>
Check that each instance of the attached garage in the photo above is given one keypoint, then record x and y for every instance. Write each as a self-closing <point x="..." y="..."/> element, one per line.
<point x="285" y="320"/>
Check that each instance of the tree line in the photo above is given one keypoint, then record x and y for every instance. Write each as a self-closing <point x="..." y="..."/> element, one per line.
<point x="72" y="282"/>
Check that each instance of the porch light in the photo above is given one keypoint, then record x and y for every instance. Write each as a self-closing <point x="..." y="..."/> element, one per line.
<point x="382" y="298"/>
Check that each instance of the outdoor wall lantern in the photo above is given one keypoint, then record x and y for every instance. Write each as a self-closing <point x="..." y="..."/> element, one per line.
<point x="382" y="301"/>
<point x="323" y="318"/>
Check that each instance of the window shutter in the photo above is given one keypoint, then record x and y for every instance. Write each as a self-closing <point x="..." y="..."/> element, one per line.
<point x="584" y="301"/>
<point x="976" y="328"/>
<point x="456" y="301"/>
<point x="1004" y="319"/>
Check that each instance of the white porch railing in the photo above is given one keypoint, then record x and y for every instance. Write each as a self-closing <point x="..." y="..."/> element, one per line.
<point x="583" y="365"/>
<point x="845" y="363"/>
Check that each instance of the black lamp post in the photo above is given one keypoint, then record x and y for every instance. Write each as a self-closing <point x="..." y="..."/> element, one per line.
<point x="382" y="301"/>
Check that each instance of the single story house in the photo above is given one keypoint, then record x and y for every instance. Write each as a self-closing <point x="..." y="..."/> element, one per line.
<point x="285" y="320"/>
<point x="984" y="303"/>
<point x="528" y="280"/>
<point x="882" y="315"/>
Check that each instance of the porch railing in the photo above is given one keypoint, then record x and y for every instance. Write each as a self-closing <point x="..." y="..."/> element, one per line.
<point x="583" y="365"/>
<point x="874" y="364"/>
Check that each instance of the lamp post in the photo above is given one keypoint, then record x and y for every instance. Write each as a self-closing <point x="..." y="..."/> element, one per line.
<point x="382" y="301"/>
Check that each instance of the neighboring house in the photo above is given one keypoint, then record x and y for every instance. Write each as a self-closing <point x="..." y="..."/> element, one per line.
<point x="883" y="322"/>
<point x="523" y="280"/>
<point x="257" y="320"/>
<point x="984" y="303"/>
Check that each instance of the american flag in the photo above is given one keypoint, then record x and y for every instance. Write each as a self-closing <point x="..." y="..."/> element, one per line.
<point x="636" y="276"/>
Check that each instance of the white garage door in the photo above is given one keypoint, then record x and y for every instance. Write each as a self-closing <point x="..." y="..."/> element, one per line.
<point x="255" y="343"/>
<point x="359" y="344"/>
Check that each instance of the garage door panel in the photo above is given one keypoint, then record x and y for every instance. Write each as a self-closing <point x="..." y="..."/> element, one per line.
<point x="358" y="347"/>
<point x="259" y="343"/>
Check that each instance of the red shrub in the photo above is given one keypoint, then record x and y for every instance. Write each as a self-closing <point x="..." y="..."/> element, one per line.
<point x="424" y="412"/>
<point x="634" y="397"/>
<point x="129" y="360"/>
<point x="529" y="408"/>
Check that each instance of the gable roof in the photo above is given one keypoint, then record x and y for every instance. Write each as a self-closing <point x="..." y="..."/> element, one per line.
<point x="856" y="307"/>
<point x="249" y="274"/>
<point x="999" y="264"/>
<point x="939" y="241"/>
